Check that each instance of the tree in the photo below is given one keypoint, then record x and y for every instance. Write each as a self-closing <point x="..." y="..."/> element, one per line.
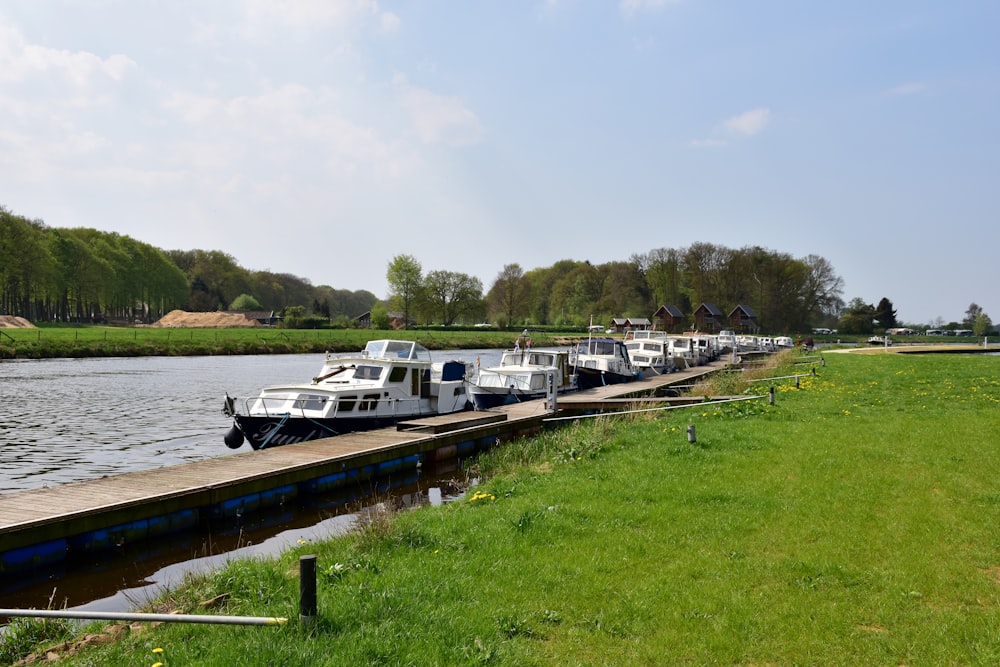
<point x="448" y="295"/>
<point x="971" y="314"/>
<point x="982" y="325"/>
<point x="885" y="314"/>
<point x="405" y="277"/>
<point x="508" y="296"/>
<point x="245" y="302"/>
<point x="857" y="319"/>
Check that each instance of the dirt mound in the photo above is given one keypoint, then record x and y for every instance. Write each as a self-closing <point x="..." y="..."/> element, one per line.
<point x="12" y="322"/>
<point x="180" y="318"/>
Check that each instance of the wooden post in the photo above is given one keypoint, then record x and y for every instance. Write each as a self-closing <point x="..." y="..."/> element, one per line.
<point x="307" y="589"/>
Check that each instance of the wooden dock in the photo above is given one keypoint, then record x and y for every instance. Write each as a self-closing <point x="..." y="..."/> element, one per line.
<point x="45" y="526"/>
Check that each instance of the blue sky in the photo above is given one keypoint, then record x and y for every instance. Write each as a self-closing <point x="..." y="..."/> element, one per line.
<point x="322" y="138"/>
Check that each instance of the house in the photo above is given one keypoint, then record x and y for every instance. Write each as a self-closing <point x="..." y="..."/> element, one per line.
<point x="743" y="319"/>
<point x="707" y="317"/>
<point x="267" y="318"/>
<point x="364" y="320"/>
<point x="668" y="318"/>
<point x="618" y="324"/>
<point x="637" y="323"/>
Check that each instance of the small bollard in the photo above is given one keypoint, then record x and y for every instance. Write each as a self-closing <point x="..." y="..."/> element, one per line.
<point x="770" y="395"/>
<point x="814" y="371"/>
<point x="691" y="437"/>
<point x="796" y="381"/>
<point x="307" y="589"/>
<point x="822" y="361"/>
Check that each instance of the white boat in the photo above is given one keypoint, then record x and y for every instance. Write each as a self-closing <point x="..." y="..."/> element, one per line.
<point x="783" y="342"/>
<point x="523" y="374"/>
<point x="650" y="351"/>
<point x="726" y="341"/>
<point x="601" y="361"/>
<point x="388" y="381"/>
<point x="684" y="352"/>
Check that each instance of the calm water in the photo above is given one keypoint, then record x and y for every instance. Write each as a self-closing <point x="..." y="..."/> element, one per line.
<point x="63" y="420"/>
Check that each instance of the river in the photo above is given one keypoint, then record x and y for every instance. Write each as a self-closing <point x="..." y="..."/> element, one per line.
<point x="66" y="420"/>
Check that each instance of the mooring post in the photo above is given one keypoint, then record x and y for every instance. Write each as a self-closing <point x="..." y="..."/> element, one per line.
<point x="770" y="395"/>
<point x="307" y="589"/>
<point x="691" y="437"/>
<point x="796" y="381"/>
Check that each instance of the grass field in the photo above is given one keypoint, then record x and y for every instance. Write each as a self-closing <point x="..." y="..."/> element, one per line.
<point x="97" y="341"/>
<point x="855" y="522"/>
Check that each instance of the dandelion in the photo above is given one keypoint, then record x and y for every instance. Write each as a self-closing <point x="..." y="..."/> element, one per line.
<point x="158" y="650"/>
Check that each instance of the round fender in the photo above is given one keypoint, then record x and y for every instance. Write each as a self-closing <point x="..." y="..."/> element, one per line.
<point x="234" y="437"/>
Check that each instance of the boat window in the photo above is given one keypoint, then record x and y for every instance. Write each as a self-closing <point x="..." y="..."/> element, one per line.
<point x="368" y="402"/>
<point x="398" y="348"/>
<point x="542" y="360"/>
<point x="346" y="403"/>
<point x="397" y="374"/>
<point x="538" y="381"/>
<point x="653" y="347"/>
<point x="309" y="402"/>
<point x="367" y="372"/>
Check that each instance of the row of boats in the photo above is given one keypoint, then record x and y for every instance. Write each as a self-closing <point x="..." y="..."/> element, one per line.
<point x="393" y="380"/>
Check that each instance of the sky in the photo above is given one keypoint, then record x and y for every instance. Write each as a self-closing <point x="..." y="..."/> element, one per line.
<point x="322" y="138"/>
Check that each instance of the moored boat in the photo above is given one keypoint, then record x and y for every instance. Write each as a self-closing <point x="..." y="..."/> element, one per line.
<point x="650" y="351"/>
<point x="523" y="374"/>
<point x="602" y="361"/>
<point x="388" y="381"/>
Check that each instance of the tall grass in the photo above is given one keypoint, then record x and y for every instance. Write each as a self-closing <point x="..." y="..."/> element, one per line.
<point x="853" y="522"/>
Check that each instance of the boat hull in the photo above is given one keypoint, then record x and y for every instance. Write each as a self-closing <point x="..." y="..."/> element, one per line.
<point x="588" y="378"/>
<point x="274" y="431"/>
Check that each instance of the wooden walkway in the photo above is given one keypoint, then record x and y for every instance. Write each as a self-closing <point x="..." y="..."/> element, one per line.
<point x="42" y="526"/>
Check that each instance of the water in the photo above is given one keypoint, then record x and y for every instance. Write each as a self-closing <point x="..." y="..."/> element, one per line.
<point x="64" y="420"/>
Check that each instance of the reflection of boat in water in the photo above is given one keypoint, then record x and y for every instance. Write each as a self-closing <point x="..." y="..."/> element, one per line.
<point x="650" y="351"/>
<point x="601" y="361"/>
<point x="523" y="374"/>
<point x="388" y="381"/>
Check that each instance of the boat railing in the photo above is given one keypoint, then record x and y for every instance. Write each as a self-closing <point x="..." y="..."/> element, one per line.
<point x="368" y="405"/>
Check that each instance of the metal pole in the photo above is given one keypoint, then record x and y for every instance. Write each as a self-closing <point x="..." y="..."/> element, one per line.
<point x="159" y="618"/>
<point x="770" y="393"/>
<point x="691" y="436"/>
<point x="307" y="589"/>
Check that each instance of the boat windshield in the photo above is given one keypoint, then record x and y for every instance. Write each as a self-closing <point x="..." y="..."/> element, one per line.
<point x="396" y="349"/>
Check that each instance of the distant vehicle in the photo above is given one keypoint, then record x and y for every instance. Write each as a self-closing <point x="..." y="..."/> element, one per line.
<point x="963" y="332"/>
<point x="933" y="332"/>
<point x="595" y="328"/>
<point x="483" y="325"/>
<point x="821" y="331"/>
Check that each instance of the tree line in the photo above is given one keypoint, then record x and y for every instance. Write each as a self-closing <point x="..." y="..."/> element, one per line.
<point x="85" y="275"/>
<point x="787" y="294"/>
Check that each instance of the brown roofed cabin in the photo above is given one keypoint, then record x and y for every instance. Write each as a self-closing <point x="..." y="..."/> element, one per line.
<point x="708" y="318"/>
<point x="743" y="319"/>
<point x="668" y="318"/>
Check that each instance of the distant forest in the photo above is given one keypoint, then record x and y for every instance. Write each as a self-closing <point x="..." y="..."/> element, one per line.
<point x="86" y="275"/>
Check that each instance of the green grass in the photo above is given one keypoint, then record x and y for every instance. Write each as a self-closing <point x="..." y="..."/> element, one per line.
<point x="100" y="341"/>
<point x="853" y="522"/>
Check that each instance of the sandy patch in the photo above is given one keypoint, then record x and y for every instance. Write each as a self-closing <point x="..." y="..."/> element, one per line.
<point x="12" y="322"/>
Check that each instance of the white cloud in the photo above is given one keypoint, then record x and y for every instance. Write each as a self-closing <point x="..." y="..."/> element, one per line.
<point x="748" y="123"/>
<point x="438" y="118"/>
<point x="24" y="62"/>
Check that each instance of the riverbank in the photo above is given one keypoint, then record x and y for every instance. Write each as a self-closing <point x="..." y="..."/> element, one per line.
<point x="98" y="341"/>
<point x="853" y="522"/>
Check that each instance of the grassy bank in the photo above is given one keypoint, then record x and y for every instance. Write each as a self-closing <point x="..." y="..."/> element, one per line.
<point x="854" y="522"/>
<point x="97" y="341"/>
